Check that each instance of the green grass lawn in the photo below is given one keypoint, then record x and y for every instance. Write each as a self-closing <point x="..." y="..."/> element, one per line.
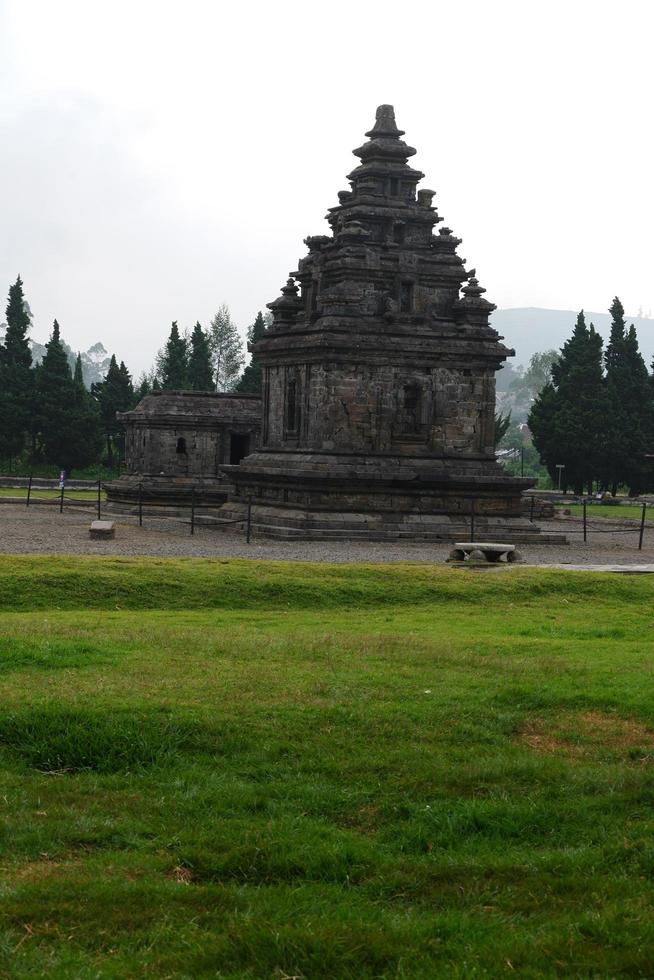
<point x="610" y="512"/>
<point x="243" y="769"/>
<point x="50" y="494"/>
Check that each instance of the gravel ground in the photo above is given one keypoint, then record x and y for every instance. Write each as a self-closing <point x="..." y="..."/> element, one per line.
<point x="42" y="530"/>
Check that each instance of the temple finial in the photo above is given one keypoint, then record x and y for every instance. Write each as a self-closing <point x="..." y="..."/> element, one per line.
<point x="385" y="124"/>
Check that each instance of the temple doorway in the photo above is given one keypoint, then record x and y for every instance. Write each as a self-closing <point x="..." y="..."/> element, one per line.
<point x="239" y="447"/>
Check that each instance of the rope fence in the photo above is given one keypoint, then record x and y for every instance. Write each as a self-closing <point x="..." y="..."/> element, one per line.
<point x="93" y="495"/>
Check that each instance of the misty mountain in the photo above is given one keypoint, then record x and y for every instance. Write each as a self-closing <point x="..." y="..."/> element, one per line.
<point x="95" y="361"/>
<point x="531" y="330"/>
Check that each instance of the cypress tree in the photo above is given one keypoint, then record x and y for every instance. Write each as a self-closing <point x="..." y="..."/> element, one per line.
<point x="542" y="423"/>
<point x="87" y="441"/>
<point x="627" y="407"/>
<point x="113" y="394"/>
<point x="54" y="397"/>
<point x="251" y="380"/>
<point x="174" y="362"/>
<point x="143" y="388"/>
<point x="16" y="375"/>
<point x="567" y="419"/>
<point x="200" y="374"/>
<point x="639" y="410"/>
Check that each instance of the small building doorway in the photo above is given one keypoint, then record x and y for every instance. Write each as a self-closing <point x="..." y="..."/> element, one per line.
<point x="239" y="447"/>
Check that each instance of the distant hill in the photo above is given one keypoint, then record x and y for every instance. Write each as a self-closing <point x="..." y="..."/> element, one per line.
<point x="531" y="330"/>
<point x="95" y="360"/>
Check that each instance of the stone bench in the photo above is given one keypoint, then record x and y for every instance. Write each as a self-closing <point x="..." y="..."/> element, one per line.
<point x="484" y="551"/>
<point x="102" y="530"/>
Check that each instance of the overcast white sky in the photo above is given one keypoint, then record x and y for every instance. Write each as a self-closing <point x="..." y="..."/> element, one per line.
<point x="160" y="158"/>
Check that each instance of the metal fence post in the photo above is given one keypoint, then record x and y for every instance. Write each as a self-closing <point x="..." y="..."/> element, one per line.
<point x="193" y="511"/>
<point x="472" y="519"/>
<point x="140" y="505"/>
<point x="99" y="492"/>
<point x="642" y="528"/>
<point x="249" y="523"/>
<point x="61" y="498"/>
<point x="29" y="490"/>
<point x="584" y="506"/>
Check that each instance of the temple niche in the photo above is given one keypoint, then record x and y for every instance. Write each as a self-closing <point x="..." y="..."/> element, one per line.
<point x="379" y="376"/>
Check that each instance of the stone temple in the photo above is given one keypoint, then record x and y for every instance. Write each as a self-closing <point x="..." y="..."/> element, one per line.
<point x="176" y="443"/>
<point x="379" y="376"/>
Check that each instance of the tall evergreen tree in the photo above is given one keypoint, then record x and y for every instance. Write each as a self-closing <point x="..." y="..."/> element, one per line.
<point x="86" y="444"/>
<point x="628" y="408"/>
<point x="143" y="388"/>
<point x="16" y="375"/>
<point x="113" y="394"/>
<point x="54" y="399"/>
<point x="251" y="379"/>
<point x="542" y="423"/>
<point x="226" y="350"/>
<point x="173" y="369"/>
<point x="567" y="419"/>
<point x="200" y="374"/>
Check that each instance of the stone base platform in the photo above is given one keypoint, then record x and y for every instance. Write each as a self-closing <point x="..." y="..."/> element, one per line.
<point x="327" y="525"/>
<point x="173" y="493"/>
<point x="380" y="498"/>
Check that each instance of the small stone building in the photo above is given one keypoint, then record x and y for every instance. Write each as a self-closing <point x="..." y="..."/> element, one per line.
<point x="177" y="441"/>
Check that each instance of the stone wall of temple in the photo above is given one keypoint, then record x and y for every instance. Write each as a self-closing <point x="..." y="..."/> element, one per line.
<point x="187" y="433"/>
<point x="386" y="408"/>
<point x="379" y="373"/>
<point x="176" y="443"/>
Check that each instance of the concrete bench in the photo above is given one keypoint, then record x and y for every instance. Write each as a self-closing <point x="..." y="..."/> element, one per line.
<point x="484" y="551"/>
<point x="102" y="530"/>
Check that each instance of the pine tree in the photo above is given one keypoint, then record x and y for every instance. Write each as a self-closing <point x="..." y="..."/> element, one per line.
<point x="200" y="374"/>
<point x="54" y="399"/>
<point x="567" y="419"/>
<point x="113" y="394"/>
<point x="639" y="412"/>
<point x="143" y="388"/>
<point x="16" y="375"/>
<point x="252" y="378"/>
<point x="86" y="426"/>
<point x="173" y="362"/>
<point x="628" y="407"/>
<point x="226" y="350"/>
<point x="542" y="423"/>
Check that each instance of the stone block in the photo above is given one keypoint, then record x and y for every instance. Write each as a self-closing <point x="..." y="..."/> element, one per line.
<point x="102" y="530"/>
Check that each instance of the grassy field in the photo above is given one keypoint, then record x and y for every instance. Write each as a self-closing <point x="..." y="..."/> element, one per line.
<point x="241" y="770"/>
<point x="609" y="512"/>
<point x="69" y="494"/>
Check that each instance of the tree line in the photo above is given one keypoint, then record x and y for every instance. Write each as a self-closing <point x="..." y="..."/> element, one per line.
<point x="594" y="418"/>
<point x="48" y="415"/>
<point x="209" y="360"/>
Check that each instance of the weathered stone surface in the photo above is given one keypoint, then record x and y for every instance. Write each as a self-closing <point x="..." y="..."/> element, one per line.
<point x="379" y="374"/>
<point x="540" y="509"/>
<point x="176" y="443"/>
<point x="102" y="530"/>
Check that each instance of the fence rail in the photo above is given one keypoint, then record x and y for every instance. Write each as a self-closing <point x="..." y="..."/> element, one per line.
<point x="93" y="495"/>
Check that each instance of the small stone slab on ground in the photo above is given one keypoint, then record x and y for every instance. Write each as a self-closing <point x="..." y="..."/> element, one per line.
<point x="102" y="529"/>
<point x="491" y="551"/>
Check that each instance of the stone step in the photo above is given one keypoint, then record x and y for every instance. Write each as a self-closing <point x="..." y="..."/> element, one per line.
<point x="444" y="535"/>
